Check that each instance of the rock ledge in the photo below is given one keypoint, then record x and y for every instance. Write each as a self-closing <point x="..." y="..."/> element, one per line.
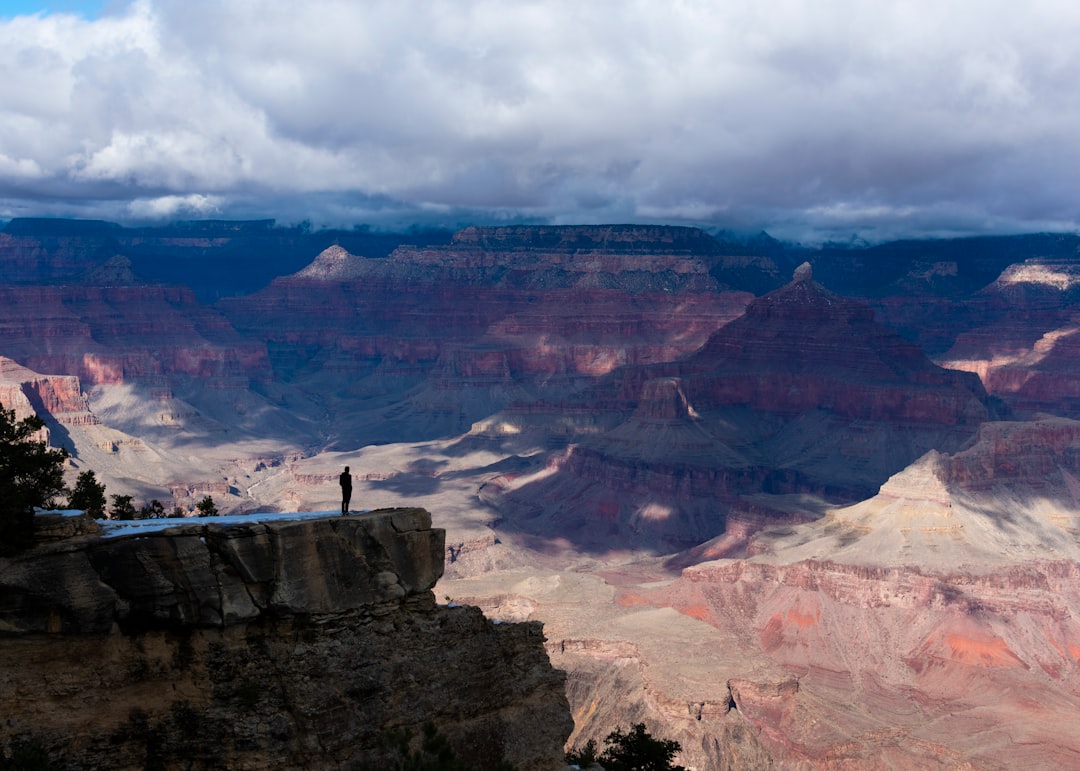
<point x="301" y="643"/>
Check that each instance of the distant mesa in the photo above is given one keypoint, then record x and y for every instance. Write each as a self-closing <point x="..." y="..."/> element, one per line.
<point x="626" y="239"/>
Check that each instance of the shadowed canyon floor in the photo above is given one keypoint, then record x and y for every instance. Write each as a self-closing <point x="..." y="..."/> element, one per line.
<point x="770" y="527"/>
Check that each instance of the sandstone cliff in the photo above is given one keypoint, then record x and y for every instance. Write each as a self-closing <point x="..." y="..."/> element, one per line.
<point x="263" y="644"/>
<point x="58" y="397"/>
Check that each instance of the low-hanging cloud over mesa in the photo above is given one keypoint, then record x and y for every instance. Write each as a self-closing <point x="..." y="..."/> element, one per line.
<point x="808" y="119"/>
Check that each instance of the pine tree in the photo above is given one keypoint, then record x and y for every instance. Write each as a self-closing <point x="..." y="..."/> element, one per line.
<point x="153" y="510"/>
<point x="206" y="507"/>
<point x="122" y="507"/>
<point x="636" y="750"/>
<point x="88" y="495"/>
<point x="31" y="474"/>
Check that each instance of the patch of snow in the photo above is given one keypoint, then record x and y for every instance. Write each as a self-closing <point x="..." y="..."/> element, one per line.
<point x="113" y="528"/>
<point x="59" y="512"/>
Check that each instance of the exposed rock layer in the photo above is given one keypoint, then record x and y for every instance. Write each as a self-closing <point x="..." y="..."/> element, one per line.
<point x="114" y="334"/>
<point x="804" y="394"/>
<point x="265" y="645"/>
<point x="496" y="317"/>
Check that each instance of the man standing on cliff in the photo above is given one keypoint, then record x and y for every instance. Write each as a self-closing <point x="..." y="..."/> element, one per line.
<point x="346" y="490"/>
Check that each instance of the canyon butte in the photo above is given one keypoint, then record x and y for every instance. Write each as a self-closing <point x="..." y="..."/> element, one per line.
<point x="794" y="508"/>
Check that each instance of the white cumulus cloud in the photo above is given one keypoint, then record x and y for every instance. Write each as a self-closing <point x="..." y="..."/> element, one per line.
<point x="888" y="117"/>
<point x="169" y="206"/>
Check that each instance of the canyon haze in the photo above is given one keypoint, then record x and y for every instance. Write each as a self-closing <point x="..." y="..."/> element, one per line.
<point x="794" y="508"/>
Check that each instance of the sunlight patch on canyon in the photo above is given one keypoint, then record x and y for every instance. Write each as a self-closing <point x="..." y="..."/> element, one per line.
<point x="989" y="369"/>
<point x="1027" y="273"/>
<point x="655" y="511"/>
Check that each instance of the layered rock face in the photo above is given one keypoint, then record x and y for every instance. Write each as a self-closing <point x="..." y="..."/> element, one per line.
<point x="935" y="291"/>
<point x="56" y="396"/>
<point x="71" y="303"/>
<point x="34" y="258"/>
<point x="263" y="644"/>
<point x="805" y="348"/>
<point x="804" y="393"/>
<point x="902" y="620"/>
<point x="497" y="316"/>
<point x="1025" y="346"/>
<point x="115" y="334"/>
<point x="160" y="371"/>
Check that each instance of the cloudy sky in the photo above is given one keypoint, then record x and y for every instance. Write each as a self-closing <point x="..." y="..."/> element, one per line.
<point x="811" y="119"/>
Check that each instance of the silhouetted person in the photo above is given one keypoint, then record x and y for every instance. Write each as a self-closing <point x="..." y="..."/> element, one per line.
<point x="346" y="490"/>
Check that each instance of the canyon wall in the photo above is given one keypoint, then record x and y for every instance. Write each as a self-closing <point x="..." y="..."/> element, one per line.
<point x="114" y="334"/>
<point x="805" y="393"/>
<point x="258" y="644"/>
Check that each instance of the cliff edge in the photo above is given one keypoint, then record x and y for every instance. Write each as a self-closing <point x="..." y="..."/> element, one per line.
<point x="273" y="643"/>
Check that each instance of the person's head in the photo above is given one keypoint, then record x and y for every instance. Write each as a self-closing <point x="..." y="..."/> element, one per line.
<point x="346" y="469"/>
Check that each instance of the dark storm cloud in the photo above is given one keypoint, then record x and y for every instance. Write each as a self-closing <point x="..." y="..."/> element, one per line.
<point x="805" y="118"/>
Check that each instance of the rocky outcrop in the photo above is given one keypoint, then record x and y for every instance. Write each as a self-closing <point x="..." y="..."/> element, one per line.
<point x="57" y="397"/>
<point x="263" y="642"/>
<point x="915" y="610"/>
<point x="804" y="394"/>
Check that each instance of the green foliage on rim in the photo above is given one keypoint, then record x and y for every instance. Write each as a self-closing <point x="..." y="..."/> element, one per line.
<point x="31" y="474"/>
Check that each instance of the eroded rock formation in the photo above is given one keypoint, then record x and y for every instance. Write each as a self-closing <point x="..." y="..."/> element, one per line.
<point x="58" y="397"/>
<point x="804" y="393"/>
<point x="115" y="334"/>
<point x="905" y="618"/>
<point x="498" y="316"/>
<point x="1025" y="344"/>
<point x="263" y="644"/>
